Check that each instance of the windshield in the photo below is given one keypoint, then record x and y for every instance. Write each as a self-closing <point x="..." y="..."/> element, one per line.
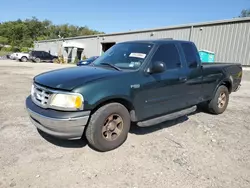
<point x="125" y="55"/>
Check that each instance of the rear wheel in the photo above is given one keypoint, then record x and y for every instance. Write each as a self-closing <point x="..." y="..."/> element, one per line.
<point x="108" y="127"/>
<point x="220" y="101"/>
<point x="24" y="59"/>
<point x="37" y="60"/>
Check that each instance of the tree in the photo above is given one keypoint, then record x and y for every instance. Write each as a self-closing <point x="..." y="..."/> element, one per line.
<point x="23" y="33"/>
<point x="245" y="13"/>
<point x="3" y="40"/>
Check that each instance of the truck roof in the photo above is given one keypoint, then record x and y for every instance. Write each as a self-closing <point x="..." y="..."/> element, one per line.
<point x="157" y="41"/>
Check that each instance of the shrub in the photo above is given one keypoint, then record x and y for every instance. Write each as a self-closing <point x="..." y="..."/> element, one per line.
<point x="3" y="53"/>
<point x="84" y="57"/>
<point x="7" y="49"/>
<point x="24" y="49"/>
<point x="76" y="60"/>
<point x="60" y="60"/>
<point x="10" y="49"/>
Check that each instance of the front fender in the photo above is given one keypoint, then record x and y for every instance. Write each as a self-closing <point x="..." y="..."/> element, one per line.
<point x="97" y="93"/>
<point x="115" y="98"/>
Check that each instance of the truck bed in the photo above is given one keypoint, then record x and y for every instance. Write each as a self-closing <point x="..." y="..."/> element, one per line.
<point x="220" y="64"/>
<point x="233" y="70"/>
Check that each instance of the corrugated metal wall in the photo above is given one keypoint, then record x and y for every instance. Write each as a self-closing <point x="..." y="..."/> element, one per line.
<point x="92" y="46"/>
<point x="182" y="34"/>
<point x="229" y="40"/>
<point x="53" y="47"/>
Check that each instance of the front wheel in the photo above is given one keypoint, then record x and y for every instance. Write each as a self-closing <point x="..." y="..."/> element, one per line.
<point x="220" y="101"/>
<point x="108" y="127"/>
<point x="24" y="59"/>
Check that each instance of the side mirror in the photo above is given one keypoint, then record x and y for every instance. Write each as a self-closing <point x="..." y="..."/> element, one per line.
<point x="193" y="65"/>
<point x="157" y="67"/>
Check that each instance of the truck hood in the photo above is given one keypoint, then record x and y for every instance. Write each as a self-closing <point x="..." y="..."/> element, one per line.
<point x="70" y="78"/>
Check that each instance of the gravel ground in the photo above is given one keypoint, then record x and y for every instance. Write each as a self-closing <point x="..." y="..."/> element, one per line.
<point x="197" y="151"/>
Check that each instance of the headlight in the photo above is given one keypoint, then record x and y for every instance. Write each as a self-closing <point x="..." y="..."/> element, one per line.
<point x="67" y="101"/>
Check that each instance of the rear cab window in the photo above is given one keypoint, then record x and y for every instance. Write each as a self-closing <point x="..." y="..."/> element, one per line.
<point x="190" y="53"/>
<point x="46" y="54"/>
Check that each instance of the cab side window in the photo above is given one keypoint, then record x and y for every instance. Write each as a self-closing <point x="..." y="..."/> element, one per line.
<point x="46" y="54"/>
<point x="39" y="54"/>
<point x="190" y="54"/>
<point x="168" y="53"/>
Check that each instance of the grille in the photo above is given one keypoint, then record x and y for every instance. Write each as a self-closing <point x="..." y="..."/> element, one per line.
<point x="40" y="96"/>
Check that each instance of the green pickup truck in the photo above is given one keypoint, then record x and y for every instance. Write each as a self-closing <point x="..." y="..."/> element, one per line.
<point x="145" y="82"/>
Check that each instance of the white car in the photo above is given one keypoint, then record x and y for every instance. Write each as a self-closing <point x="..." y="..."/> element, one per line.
<point x="22" y="56"/>
<point x="12" y="56"/>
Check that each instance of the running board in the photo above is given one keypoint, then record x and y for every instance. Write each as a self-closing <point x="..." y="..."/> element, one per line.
<point x="167" y="117"/>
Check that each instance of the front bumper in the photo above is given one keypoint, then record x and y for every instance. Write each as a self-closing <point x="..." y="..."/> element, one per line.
<point x="67" y="125"/>
<point x="237" y="88"/>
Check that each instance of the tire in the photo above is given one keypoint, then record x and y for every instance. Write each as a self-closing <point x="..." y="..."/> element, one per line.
<point x="98" y="135"/>
<point x="215" y="106"/>
<point x="37" y="60"/>
<point x="54" y="60"/>
<point x="24" y="59"/>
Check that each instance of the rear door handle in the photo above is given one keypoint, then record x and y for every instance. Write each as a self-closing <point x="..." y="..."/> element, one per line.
<point x="183" y="79"/>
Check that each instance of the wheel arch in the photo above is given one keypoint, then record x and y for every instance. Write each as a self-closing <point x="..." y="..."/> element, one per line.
<point x="228" y="84"/>
<point x="126" y="102"/>
<point x="225" y="82"/>
<point x="24" y="57"/>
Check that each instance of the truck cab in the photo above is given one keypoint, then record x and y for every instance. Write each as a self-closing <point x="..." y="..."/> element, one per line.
<point x="165" y="83"/>
<point x="146" y="82"/>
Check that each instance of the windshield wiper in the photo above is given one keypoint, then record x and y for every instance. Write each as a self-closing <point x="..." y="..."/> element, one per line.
<point x="111" y="65"/>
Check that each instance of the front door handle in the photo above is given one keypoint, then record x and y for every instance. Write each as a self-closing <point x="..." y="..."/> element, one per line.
<point x="183" y="79"/>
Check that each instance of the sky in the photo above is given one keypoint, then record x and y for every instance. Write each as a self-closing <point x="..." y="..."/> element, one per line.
<point x="117" y="16"/>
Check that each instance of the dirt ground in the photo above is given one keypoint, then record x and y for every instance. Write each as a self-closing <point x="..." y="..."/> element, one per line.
<point x="197" y="151"/>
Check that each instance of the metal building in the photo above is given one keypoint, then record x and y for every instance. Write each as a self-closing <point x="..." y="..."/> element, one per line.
<point x="228" y="39"/>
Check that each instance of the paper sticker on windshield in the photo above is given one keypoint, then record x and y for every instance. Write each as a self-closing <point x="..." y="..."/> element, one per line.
<point x="138" y="55"/>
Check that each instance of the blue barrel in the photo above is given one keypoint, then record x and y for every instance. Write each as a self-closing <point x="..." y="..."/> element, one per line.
<point x="206" y="56"/>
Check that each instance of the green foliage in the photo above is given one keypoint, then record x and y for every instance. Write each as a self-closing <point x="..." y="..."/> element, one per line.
<point x="4" y="53"/>
<point x="60" y="60"/>
<point x="3" y="40"/>
<point x="76" y="60"/>
<point x="84" y="57"/>
<point x="245" y="13"/>
<point x="7" y="49"/>
<point x="25" y="49"/>
<point x="22" y="33"/>
<point x="10" y="49"/>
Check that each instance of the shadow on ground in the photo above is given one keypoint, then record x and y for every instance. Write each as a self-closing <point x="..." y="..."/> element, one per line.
<point x="147" y="130"/>
<point x="134" y="129"/>
<point x="62" y="142"/>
